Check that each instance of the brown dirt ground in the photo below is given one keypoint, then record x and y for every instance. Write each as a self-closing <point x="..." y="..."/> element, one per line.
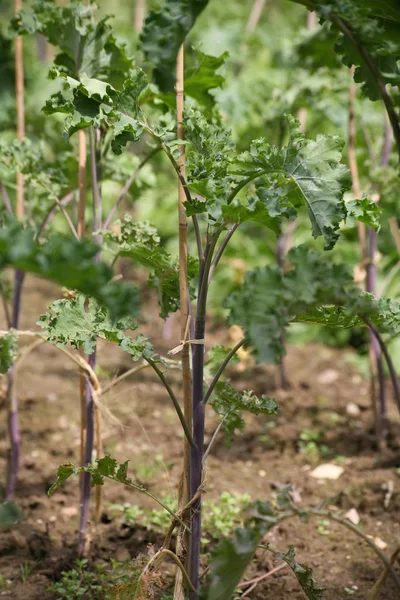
<point x="259" y="460"/>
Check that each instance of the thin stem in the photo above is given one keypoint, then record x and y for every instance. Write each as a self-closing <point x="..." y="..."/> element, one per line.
<point x="142" y="489"/>
<point x="64" y="202"/>
<point x="174" y="399"/>
<point x="5" y="306"/>
<point x="12" y="399"/>
<point x="6" y="199"/>
<point x="389" y="362"/>
<point x="120" y="378"/>
<point x="221" y="369"/>
<point x="388" y="280"/>
<point x="255" y="15"/>
<point x="243" y="584"/>
<point x="214" y="437"/>
<point x="182" y="180"/>
<point x="19" y="85"/>
<point x="157" y="560"/>
<point x="374" y="593"/>
<point x="375" y="74"/>
<point x="68" y="219"/>
<point x="127" y="186"/>
<point x="221" y="249"/>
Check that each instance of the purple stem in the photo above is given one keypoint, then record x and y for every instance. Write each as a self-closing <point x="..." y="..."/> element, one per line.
<point x="12" y="400"/>
<point x="372" y="238"/>
<point x="280" y="258"/>
<point x="88" y="457"/>
<point x="196" y="452"/>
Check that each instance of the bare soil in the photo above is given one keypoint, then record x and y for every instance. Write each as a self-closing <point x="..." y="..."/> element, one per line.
<point x="261" y="460"/>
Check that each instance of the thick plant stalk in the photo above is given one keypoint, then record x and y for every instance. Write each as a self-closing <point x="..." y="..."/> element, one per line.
<point x="196" y="451"/>
<point x="90" y="412"/>
<point x="19" y="87"/>
<point x="255" y="15"/>
<point x="182" y="541"/>
<point x="84" y="540"/>
<point x="372" y="248"/>
<point x="368" y="246"/>
<point x="140" y="13"/>
<point x="81" y="233"/>
<point x="12" y="401"/>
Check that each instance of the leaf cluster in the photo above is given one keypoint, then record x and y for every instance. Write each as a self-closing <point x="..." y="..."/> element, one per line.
<point x="312" y="291"/>
<point x="230" y="404"/>
<point x="68" y="262"/>
<point x="141" y="243"/>
<point x="164" y="31"/>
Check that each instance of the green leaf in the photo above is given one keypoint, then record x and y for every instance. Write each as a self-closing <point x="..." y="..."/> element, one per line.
<point x="8" y="350"/>
<point x="80" y="322"/>
<point x="85" y="46"/>
<point x="374" y="28"/>
<point x="229" y="404"/>
<point x="313" y="291"/>
<point x="202" y="78"/>
<point x="229" y="561"/>
<point x="68" y="262"/>
<point x="64" y="472"/>
<point x="216" y="355"/>
<point x="364" y="210"/>
<point x="141" y="243"/>
<point x="209" y="156"/>
<point x="164" y="31"/>
<point x="303" y="574"/>
<point x="10" y="515"/>
<point x="307" y="172"/>
<point x="107" y="466"/>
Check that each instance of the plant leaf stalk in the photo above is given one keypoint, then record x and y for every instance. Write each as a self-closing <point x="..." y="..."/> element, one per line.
<point x="12" y="400"/>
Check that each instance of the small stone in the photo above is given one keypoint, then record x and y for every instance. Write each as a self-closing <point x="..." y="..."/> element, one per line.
<point x="69" y="511"/>
<point x="63" y="422"/>
<point x="52" y="519"/>
<point x="327" y="471"/>
<point x="380" y="543"/>
<point x="353" y="516"/>
<point x="262" y="473"/>
<point x="353" y="410"/>
<point x="52" y="397"/>
<point x="328" y="376"/>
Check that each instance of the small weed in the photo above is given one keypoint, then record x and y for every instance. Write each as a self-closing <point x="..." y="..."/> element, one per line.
<point x="322" y="527"/>
<point x="26" y="570"/>
<point x="309" y="442"/>
<point x="5" y="584"/>
<point x="81" y="583"/>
